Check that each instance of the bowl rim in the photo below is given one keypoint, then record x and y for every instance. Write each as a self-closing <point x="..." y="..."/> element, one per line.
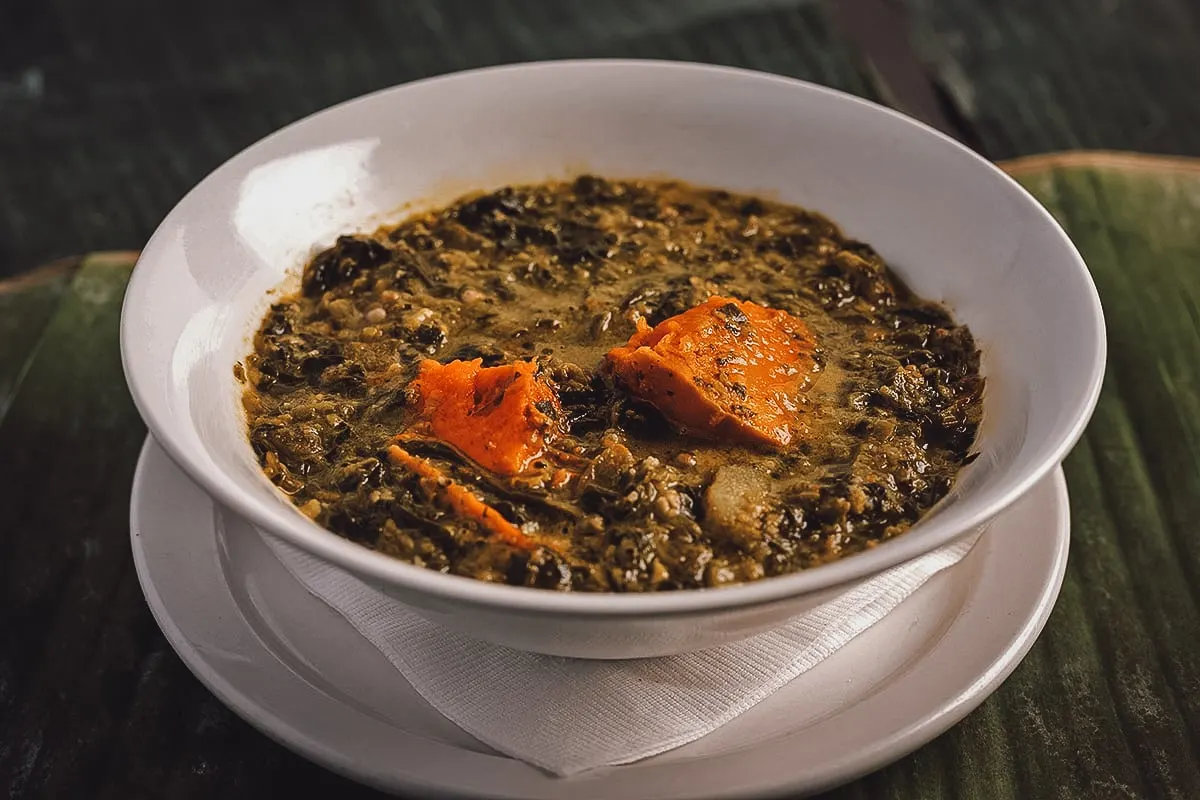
<point x="386" y="570"/>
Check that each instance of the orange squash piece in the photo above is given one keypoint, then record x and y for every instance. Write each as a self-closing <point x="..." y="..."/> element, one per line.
<point x="457" y="498"/>
<point x="727" y="369"/>
<point x="500" y="416"/>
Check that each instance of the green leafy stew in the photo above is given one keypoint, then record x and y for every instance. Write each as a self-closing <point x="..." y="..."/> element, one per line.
<point x="602" y="385"/>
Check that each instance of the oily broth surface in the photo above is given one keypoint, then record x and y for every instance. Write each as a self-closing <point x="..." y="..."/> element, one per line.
<point x="559" y="273"/>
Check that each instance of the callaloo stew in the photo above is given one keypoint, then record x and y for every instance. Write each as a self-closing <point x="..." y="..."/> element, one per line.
<point x="602" y="385"/>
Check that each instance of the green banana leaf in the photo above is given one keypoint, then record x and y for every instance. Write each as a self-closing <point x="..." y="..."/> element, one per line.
<point x="26" y="305"/>
<point x="1107" y="704"/>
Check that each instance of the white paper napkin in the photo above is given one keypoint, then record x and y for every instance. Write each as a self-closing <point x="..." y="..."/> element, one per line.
<point x="569" y="715"/>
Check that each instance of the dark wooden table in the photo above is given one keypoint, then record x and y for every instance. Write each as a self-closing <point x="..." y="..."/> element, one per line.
<point x="110" y="111"/>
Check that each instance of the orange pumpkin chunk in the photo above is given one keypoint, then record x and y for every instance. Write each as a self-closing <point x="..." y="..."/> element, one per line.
<point x="499" y="416"/>
<point x="724" y="369"/>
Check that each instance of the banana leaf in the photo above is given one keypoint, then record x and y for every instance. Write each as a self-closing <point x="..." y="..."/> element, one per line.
<point x="1107" y="704"/>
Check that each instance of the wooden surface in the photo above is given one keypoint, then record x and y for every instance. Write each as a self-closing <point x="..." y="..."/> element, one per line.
<point x="109" y="112"/>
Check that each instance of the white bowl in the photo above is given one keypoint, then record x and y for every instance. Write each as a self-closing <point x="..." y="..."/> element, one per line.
<point x="952" y="225"/>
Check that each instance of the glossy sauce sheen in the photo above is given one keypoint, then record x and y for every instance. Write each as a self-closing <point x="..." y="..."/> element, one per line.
<point x="611" y="386"/>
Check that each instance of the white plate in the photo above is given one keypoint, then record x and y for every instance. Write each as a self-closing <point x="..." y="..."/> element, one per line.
<point x="294" y="669"/>
<point x="956" y="229"/>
